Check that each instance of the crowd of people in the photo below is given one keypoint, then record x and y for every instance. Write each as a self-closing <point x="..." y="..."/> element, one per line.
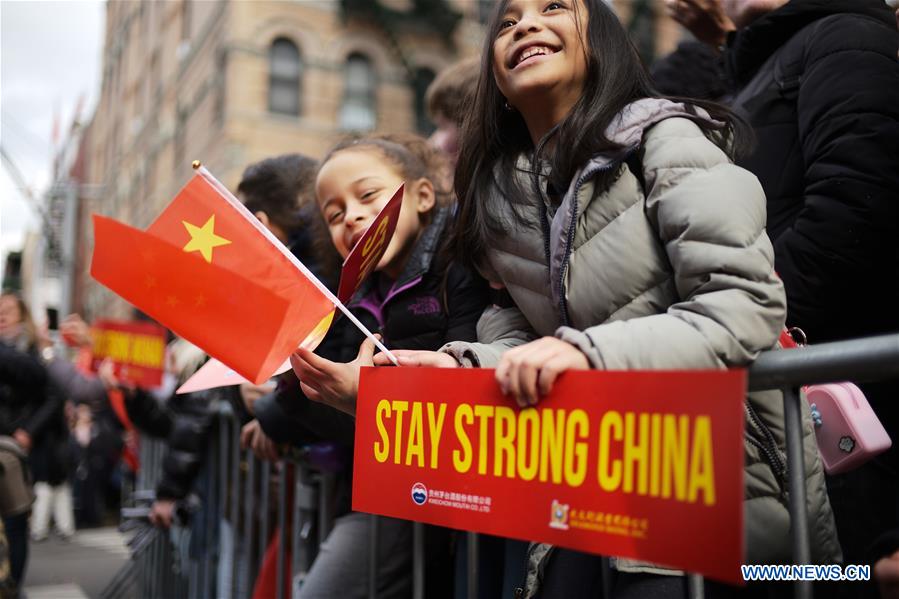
<point x="573" y="211"/>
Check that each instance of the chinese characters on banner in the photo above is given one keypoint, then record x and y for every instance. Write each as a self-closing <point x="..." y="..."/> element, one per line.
<point x="644" y="465"/>
<point x="137" y="350"/>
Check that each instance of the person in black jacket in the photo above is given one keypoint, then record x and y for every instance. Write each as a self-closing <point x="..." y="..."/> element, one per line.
<point x="30" y="409"/>
<point x="278" y="191"/>
<point x="819" y="82"/>
<point x="186" y="422"/>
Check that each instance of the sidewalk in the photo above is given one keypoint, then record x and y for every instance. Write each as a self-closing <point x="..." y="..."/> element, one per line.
<point x="77" y="569"/>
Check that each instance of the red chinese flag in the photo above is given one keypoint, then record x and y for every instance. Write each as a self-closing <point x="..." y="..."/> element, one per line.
<point x="214" y="244"/>
<point x="212" y="225"/>
<point x="229" y="316"/>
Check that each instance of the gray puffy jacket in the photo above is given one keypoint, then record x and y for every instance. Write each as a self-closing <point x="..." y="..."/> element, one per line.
<point x="682" y="278"/>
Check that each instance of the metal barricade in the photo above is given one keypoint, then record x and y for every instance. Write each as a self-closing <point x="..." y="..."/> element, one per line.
<point x="218" y="543"/>
<point x="859" y="360"/>
<point x="219" y="552"/>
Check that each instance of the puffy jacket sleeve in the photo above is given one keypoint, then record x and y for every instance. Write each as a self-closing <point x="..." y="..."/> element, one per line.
<point x="150" y="416"/>
<point x="840" y="254"/>
<point x="190" y="435"/>
<point x="498" y="329"/>
<point x="710" y="218"/>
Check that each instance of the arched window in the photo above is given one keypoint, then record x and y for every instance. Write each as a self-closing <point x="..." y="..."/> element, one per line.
<point x="358" y="111"/>
<point x="284" y="71"/>
<point x="423" y="78"/>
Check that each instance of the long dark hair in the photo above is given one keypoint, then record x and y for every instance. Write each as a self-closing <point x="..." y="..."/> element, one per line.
<point x="495" y="136"/>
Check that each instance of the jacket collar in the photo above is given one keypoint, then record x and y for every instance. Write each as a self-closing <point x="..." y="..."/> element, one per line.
<point x="751" y="46"/>
<point x="627" y="129"/>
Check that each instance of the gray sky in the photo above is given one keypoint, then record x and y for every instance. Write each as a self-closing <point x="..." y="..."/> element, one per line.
<point x="50" y="54"/>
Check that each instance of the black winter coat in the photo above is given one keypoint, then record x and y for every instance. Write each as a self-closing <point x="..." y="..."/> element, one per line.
<point x="187" y="423"/>
<point x="30" y="401"/>
<point x="819" y="83"/>
<point x="818" y="80"/>
<point x="23" y="382"/>
<point x="422" y="309"/>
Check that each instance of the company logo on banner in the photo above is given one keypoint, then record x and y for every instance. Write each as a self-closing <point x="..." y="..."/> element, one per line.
<point x="559" y="516"/>
<point x="419" y="494"/>
<point x="644" y="465"/>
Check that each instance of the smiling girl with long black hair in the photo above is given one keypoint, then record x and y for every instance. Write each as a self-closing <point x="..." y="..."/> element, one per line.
<point x="624" y="238"/>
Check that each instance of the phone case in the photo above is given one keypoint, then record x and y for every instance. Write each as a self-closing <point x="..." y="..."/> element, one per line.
<point x="848" y="432"/>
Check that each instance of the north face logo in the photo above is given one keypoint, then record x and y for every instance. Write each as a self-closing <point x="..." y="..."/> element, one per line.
<point x="424" y="306"/>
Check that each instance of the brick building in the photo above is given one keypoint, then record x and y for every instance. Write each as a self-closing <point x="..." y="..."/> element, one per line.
<point x="230" y="82"/>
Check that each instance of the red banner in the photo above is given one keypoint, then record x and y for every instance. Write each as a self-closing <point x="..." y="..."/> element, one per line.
<point x="644" y="465"/>
<point x="137" y="350"/>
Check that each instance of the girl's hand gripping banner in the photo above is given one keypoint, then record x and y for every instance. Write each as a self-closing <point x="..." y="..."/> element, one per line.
<point x="643" y="465"/>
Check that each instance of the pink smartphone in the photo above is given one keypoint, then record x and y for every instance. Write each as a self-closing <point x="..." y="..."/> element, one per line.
<point x="848" y="432"/>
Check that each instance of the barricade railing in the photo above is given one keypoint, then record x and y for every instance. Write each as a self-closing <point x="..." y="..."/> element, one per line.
<point x="858" y="360"/>
<point x="861" y="360"/>
<point x="219" y="543"/>
<point x="221" y="533"/>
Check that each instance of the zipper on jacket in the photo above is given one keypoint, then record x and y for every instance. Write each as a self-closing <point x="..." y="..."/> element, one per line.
<point x="563" y="305"/>
<point x="768" y="446"/>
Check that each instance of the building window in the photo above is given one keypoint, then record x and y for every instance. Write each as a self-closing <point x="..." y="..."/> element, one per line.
<point x="423" y="78"/>
<point x="285" y="70"/>
<point x="358" y="111"/>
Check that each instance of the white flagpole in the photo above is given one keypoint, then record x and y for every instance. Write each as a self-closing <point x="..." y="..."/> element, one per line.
<point x="235" y="203"/>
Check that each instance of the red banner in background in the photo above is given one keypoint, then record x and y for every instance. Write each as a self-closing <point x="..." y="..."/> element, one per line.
<point x="644" y="465"/>
<point x="137" y="350"/>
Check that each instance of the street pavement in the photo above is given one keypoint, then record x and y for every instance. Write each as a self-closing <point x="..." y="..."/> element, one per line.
<point x="79" y="568"/>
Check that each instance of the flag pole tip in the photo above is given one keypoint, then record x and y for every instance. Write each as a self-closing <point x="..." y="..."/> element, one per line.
<point x="195" y="164"/>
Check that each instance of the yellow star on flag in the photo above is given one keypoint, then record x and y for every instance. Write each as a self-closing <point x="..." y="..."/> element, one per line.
<point x="203" y="239"/>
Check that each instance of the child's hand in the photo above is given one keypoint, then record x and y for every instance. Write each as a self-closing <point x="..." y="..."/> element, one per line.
<point x="529" y="371"/>
<point x="332" y="383"/>
<point x="411" y="357"/>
